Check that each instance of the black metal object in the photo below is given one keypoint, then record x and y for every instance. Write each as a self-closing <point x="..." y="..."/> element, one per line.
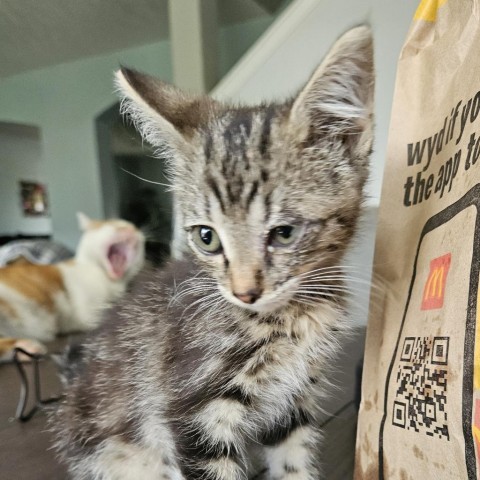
<point x="24" y="385"/>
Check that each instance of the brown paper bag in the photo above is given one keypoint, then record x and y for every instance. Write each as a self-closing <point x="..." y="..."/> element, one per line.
<point x="420" y="410"/>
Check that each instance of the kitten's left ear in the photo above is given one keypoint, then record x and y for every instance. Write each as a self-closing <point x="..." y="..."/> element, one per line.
<point x="338" y="99"/>
<point x="164" y="115"/>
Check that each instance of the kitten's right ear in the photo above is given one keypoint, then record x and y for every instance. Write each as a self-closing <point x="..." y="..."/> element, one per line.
<point x="338" y="99"/>
<point x="164" y="115"/>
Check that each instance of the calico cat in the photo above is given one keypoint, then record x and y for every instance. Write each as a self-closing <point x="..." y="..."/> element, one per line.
<point x="213" y="369"/>
<point x="38" y="302"/>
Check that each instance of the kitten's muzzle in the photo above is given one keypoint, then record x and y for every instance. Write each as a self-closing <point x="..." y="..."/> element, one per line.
<point x="249" y="297"/>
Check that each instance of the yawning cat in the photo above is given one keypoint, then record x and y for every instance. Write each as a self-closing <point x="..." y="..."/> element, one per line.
<point x="206" y="368"/>
<point x="39" y="301"/>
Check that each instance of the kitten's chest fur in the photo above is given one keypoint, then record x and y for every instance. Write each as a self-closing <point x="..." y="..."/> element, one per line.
<point x="266" y="363"/>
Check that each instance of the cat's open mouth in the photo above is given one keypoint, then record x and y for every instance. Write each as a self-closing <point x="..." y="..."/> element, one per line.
<point x="120" y="255"/>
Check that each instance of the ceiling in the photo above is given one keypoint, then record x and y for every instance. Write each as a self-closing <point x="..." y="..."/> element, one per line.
<point x="39" y="33"/>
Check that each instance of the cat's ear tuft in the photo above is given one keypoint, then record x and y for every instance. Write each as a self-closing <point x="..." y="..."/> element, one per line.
<point x="163" y="114"/>
<point x="83" y="221"/>
<point x="338" y="98"/>
<point x="142" y="97"/>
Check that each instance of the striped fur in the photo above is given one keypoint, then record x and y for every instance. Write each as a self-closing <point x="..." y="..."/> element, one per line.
<point x="214" y="369"/>
<point x="41" y="301"/>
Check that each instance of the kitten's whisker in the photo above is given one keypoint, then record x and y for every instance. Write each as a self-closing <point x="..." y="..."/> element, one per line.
<point x="339" y="285"/>
<point x="351" y="289"/>
<point x="319" y="294"/>
<point x="199" y="287"/>
<point x="209" y="307"/>
<point x="312" y="295"/>
<point x="347" y="279"/>
<point x="337" y="268"/>
<point x="330" y="289"/>
<point x="352" y="297"/>
<point x="353" y="293"/>
<point x="334" y="276"/>
<point x="304" y="300"/>
<point x="360" y="268"/>
<point x="364" y="289"/>
<point x="334" y="273"/>
<point x="196" y="281"/>
<point x="194" y="278"/>
<point x="145" y="179"/>
<point x="206" y="302"/>
<point x="199" y="303"/>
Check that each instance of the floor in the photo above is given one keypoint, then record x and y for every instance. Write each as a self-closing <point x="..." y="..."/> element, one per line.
<point x="26" y="448"/>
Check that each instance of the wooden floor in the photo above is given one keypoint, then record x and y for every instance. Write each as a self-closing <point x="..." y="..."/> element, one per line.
<point x="26" y="448"/>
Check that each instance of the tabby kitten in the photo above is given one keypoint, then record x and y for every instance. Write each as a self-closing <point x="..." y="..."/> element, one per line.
<point x="213" y="372"/>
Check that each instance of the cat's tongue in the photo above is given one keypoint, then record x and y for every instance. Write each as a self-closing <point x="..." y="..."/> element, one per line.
<point x="118" y="260"/>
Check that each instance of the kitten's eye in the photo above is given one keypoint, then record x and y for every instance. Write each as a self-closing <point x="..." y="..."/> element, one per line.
<point x="283" y="235"/>
<point x="206" y="238"/>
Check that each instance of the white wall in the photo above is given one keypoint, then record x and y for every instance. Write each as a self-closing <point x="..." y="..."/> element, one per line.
<point x="63" y="101"/>
<point x="20" y="159"/>
<point x="283" y="58"/>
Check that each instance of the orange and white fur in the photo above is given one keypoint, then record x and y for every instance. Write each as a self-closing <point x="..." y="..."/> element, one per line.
<point x="37" y="302"/>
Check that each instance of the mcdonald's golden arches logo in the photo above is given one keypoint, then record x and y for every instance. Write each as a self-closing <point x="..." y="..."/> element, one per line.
<point x="434" y="291"/>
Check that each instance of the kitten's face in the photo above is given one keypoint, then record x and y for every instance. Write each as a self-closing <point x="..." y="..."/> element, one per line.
<point x="272" y="193"/>
<point x="263" y="210"/>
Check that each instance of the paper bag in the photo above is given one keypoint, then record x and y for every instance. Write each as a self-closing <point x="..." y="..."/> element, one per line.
<point x="420" y="411"/>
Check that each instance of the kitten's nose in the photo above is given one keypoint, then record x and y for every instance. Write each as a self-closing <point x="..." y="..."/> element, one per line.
<point x="249" y="297"/>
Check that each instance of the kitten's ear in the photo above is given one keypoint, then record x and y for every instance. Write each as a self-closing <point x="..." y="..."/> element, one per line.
<point x="338" y="99"/>
<point x="83" y="221"/>
<point x="164" y="115"/>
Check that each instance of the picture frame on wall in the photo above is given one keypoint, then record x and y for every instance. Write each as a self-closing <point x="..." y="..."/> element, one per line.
<point x="34" y="199"/>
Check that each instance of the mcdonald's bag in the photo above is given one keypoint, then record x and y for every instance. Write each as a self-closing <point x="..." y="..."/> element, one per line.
<point x="420" y="411"/>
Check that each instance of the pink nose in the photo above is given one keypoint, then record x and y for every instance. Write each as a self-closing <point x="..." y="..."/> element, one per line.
<point x="249" y="297"/>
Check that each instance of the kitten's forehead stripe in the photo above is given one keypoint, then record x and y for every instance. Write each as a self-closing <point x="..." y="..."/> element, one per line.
<point x="252" y="194"/>
<point x="232" y="148"/>
<point x="266" y="128"/>
<point x="236" y="134"/>
<point x="208" y="145"/>
<point x="216" y="191"/>
<point x="207" y="205"/>
<point x="264" y="175"/>
<point x="241" y="124"/>
<point x="246" y="162"/>
<point x="268" y="205"/>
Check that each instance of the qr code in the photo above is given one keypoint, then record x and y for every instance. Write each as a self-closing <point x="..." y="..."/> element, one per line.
<point x="421" y="394"/>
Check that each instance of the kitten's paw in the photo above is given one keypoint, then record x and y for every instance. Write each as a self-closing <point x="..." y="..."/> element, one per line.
<point x="30" y="346"/>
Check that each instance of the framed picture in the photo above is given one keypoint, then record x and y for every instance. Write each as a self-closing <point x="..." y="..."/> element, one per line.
<point x="34" y="199"/>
